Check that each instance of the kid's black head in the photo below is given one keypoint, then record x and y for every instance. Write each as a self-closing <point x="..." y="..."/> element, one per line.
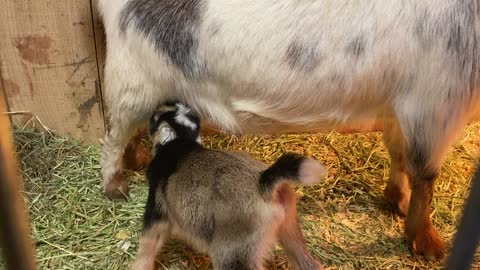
<point x="174" y="120"/>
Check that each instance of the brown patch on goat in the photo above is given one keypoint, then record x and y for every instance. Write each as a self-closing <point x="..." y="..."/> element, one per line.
<point x="136" y="157"/>
<point x="34" y="48"/>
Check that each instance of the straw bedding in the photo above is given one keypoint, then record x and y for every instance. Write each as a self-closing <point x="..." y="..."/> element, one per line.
<point x="346" y="221"/>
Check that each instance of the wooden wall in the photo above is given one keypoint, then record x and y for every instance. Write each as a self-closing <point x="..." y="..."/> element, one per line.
<point x="51" y="64"/>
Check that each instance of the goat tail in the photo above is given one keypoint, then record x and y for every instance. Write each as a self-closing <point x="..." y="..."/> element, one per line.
<point x="293" y="168"/>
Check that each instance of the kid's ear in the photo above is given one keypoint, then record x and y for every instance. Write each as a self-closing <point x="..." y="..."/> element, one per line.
<point x="167" y="108"/>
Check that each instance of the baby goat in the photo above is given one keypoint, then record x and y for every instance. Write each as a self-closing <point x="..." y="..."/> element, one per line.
<point x="223" y="203"/>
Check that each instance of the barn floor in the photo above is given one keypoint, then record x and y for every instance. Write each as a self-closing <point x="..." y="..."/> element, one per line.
<point x="346" y="221"/>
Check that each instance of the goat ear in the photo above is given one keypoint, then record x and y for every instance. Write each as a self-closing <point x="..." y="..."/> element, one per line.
<point x="155" y="118"/>
<point x="166" y="108"/>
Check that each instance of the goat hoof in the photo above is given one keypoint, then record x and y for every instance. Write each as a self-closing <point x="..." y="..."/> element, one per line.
<point x="427" y="243"/>
<point x="398" y="199"/>
<point x="117" y="188"/>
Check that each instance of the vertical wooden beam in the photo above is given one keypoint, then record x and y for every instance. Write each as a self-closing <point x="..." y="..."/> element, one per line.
<point x="16" y="243"/>
<point x="49" y="67"/>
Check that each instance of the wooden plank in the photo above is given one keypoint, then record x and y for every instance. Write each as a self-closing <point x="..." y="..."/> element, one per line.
<point x="48" y="64"/>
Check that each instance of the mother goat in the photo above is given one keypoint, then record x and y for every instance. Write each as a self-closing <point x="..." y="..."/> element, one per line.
<point x="260" y="66"/>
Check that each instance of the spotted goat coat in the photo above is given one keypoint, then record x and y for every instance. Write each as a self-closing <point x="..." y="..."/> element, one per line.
<point x="259" y="66"/>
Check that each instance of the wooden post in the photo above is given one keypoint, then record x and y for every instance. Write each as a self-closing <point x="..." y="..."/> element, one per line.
<point x="16" y="242"/>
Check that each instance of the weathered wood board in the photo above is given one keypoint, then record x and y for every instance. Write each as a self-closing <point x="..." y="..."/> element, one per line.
<point x="49" y="67"/>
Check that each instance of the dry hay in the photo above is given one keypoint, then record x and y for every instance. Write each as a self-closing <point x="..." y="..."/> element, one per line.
<point x="347" y="223"/>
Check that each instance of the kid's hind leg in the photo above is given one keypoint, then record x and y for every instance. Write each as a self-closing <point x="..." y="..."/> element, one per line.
<point x="290" y="234"/>
<point x="234" y="260"/>
<point x="244" y="252"/>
